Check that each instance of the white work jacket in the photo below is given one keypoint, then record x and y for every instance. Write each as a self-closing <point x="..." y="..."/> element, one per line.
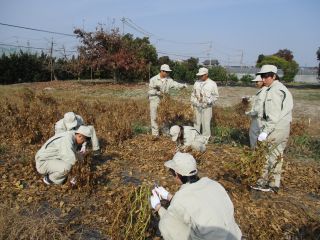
<point x="277" y="108"/>
<point x="201" y="210"/>
<point x="257" y="102"/>
<point x="159" y="86"/>
<point x="59" y="147"/>
<point x="204" y="94"/>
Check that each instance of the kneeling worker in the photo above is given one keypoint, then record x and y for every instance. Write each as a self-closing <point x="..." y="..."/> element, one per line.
<point x="186" y="136"/>
<point x="56" y="157"/>
<point x="72" y="121"/>
<point x="200" y="209"/>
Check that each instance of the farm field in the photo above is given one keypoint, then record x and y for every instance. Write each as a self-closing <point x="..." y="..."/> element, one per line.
<point x="110" y="200"/>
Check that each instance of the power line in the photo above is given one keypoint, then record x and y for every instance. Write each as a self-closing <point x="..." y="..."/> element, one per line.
<point x="38" y="30"/>
<point x="139" y="29"/>
<point x="37" y="48"/>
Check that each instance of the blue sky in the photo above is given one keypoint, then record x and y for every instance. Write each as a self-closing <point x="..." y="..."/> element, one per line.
<point x="236" y="29"/>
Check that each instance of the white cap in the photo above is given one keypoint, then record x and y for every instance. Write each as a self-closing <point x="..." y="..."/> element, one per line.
<point x="202" y="71"/>
<point x="70" y="120"/>
<point x="267" y="69"/>
<point x="165" y="67"/>
<point x="257" y="79"/>
<point x="174" y="132"/>
<point x="183" y="163"/>
<point x="85" y="131"/>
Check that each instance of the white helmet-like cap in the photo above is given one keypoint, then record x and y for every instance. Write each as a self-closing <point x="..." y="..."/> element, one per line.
<point x="70" y="120"/>
<point x="85" y="131"/>
<point x="257" y="79"/>
<point x="267" y="69"/>
<point x="202" y="71"/>
<point x="165" y="67"/>
<point x="183" y="163"/>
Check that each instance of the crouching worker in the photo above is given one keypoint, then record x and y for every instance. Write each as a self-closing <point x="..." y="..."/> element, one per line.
<point x="56" y="157"/>
<point x="72" y="121"/>
<point x="186" y="136"/>
<point x="200" y="209"/>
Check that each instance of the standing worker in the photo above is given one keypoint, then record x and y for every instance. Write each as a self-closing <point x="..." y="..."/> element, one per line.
<point x="200" y="209"/>
<point x="159" y="85"/>
<point x="186" y="136"/>
<point x="277" y="117"/>
<point x="71" y="121"/>
<point x="256" y="112"/>
<point x="56" y="157"/>
<point x="203" y="97"/>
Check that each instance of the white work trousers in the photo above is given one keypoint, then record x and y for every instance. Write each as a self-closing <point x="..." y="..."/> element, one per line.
<point x="254" y="131"/>
<point x="272" y="170"/>
<point x="154" y="103"/>
<point x="57" y="170"/>
<point x="203" y="119"/>
<point x="94" y="139"/>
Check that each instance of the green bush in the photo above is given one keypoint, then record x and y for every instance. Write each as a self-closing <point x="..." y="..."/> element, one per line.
<point x="246" y="79"/>
<point x="290" y="68"/>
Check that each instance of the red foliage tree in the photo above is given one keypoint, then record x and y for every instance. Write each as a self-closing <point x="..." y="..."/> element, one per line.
<point x="108" y="51"/>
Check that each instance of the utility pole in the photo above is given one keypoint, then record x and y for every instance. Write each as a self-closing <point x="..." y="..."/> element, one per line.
<point x="123" y="20"/>
<point x="241" y="60"/>
<point x="210" y="48"/>
<point x="51" y="62"/>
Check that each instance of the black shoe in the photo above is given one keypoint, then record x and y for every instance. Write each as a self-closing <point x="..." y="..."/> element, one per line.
<point x="47" y="180"/>
<point x="274" y="189"/>
<point x="261" y="188"/>
<point x="96" y="152"/>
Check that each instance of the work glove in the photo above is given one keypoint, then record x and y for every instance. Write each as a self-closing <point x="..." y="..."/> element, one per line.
<point x="163" y="193"/>
<point x="154" y="199"/>
<point x="262" y="136"/>
<point x="83" y="149"/>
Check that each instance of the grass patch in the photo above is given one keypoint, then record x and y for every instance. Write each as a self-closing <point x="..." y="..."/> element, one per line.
<point x="230" y="135"/>
<point x="304" y="146"/>
<point x="140" y="128"/>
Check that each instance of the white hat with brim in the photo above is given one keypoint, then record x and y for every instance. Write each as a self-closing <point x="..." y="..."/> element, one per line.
<point x="267" y="69"/>
<point x="85" y="131"/>
<point x="165" y="67"/>
<point x="257" y="79"/>
<point x="202" y="71"/>
<point x="70" y="120"/>
<point x="174" y="132"/>
<point x="183" y="163"/>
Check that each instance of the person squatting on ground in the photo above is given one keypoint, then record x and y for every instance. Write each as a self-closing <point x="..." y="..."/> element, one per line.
<point x="277" y="117"/>
<point x="159" y="85"/>
<point x="186" y="136"/>
<point x="56" y="157"/>
<point x="203" y="97"/>
<point x="200" y="209"/>
<point x="71" y="121"/>
<point x="256" y="111"/>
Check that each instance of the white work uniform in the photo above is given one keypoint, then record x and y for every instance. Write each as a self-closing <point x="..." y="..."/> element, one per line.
<point x="192" y="138"/>
<point x="204" y="95"/>
<point x="157" y="87"/>
<point x="56" y="157"/>
<point x="256" y="114"/>
<point x="201" y="210"/>
<point x="60" y="127"/>
<point x="277" y="117"/>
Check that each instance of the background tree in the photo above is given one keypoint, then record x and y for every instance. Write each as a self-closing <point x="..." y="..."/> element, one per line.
<point x="285" y="54"/>
<point x="279" y="59"/>
<point x="109" y="51"/>
<point x="23" y="67"/>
